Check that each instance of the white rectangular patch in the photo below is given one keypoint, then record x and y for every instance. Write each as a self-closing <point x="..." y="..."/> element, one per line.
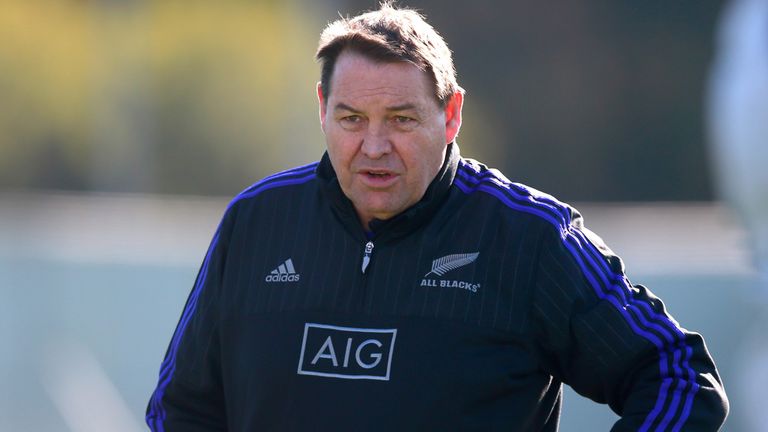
<point x="346" y="352"/>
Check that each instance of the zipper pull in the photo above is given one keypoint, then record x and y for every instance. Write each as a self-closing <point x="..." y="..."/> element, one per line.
<point x="367" y="256"/>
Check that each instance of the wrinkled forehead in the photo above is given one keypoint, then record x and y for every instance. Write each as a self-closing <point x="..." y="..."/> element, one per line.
<point x="359" y="77"/>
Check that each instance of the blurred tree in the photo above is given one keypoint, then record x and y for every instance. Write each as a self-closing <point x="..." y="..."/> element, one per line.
<point x="165" y="96"/>
<point x="44" y="67"/>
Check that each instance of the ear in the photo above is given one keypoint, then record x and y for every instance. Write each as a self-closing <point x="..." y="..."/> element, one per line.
<point x="453" y="116"/>
<point x="321" y="100"/>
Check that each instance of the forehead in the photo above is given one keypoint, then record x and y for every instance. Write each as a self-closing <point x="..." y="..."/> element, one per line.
<point x="359" y="78"/>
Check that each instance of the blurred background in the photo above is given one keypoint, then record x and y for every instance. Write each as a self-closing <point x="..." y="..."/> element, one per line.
<point x="126" y="125"/>
<point x="589" y="101"/>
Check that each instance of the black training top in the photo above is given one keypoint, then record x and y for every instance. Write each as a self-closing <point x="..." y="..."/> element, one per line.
<point x="465" y="312"/>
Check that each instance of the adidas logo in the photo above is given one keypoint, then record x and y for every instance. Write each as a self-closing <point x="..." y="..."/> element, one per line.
<point x="283" y="273"/>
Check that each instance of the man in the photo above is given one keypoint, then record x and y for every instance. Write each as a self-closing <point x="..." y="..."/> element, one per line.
<point x="397" y="286"/>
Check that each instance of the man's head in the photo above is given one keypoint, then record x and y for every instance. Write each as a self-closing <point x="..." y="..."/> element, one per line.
<point x="390" y="35"/>
<point x="389" y="106"/>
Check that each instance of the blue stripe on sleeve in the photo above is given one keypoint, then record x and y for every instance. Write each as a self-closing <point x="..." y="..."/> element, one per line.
<point x="156" y="415"/>
<point x="609" y="285"/>
<point x="157" y="412"/>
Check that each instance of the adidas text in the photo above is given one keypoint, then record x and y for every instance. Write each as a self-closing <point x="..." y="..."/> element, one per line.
<point x="282" y="278"/>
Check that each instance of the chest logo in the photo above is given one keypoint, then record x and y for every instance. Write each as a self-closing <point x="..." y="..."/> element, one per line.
<point x="443" y="265"/>
<point x="346" y="352"/>
<point x="447" y="263"/>
<point x="285" y="272"/>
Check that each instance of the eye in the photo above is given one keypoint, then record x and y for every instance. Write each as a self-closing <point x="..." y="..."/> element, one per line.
<point x="352" y="122"/>
<point x="404" y="123"/>
<point x="352" y="119"/>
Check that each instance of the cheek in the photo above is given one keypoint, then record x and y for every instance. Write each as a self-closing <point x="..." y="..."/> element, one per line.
<point x="431" y="154"/>
<point x="341" y="150"/>
<point x="334" y="141"/>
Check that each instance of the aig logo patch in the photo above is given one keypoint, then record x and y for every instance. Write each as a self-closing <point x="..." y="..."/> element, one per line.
<point x="346" y="352"/>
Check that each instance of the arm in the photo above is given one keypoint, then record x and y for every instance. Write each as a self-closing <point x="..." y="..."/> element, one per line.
<point x="614" y="342"/>
<point x="189" y="394"/>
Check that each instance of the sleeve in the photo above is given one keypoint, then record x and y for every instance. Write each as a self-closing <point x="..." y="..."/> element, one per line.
<point x="614" y="342"/>
<point x="189" y="395"/>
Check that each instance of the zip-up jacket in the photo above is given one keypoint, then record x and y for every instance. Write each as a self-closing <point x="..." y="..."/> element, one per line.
<point x="468" y="311"/>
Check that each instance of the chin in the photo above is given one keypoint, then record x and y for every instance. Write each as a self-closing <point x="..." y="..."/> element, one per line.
<point x="381" y="212"/>
<point x="375" y="207"/>
<point x="380" y="208"/>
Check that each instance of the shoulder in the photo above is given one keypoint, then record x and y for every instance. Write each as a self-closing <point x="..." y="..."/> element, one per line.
<point x="562" y="225"/>
<point x="489" y="184"/>
<point x="284" y="181"/>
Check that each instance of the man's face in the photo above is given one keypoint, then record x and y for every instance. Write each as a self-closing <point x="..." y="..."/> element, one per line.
<point x="386" y="133"/>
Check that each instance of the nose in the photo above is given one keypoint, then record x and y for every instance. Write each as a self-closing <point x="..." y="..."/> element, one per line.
<point x="376" y="143"/>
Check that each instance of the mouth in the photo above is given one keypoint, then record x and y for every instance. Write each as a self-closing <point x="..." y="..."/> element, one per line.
<point x="378" y="174"/>
<point x="378" y="178"/>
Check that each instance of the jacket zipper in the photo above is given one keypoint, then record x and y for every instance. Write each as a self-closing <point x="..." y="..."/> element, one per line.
<point x="367" y="255"/>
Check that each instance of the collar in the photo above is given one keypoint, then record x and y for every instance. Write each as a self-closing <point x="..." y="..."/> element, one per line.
<point x="400" y="224"/>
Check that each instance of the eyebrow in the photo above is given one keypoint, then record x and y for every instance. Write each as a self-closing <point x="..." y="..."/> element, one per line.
<point x="344" y="107"/>
<point x="341" y="106"/>
<point x="403" y="107"/>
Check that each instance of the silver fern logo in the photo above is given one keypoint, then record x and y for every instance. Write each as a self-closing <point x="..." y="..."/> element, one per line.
<point x="447" y="263"/>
